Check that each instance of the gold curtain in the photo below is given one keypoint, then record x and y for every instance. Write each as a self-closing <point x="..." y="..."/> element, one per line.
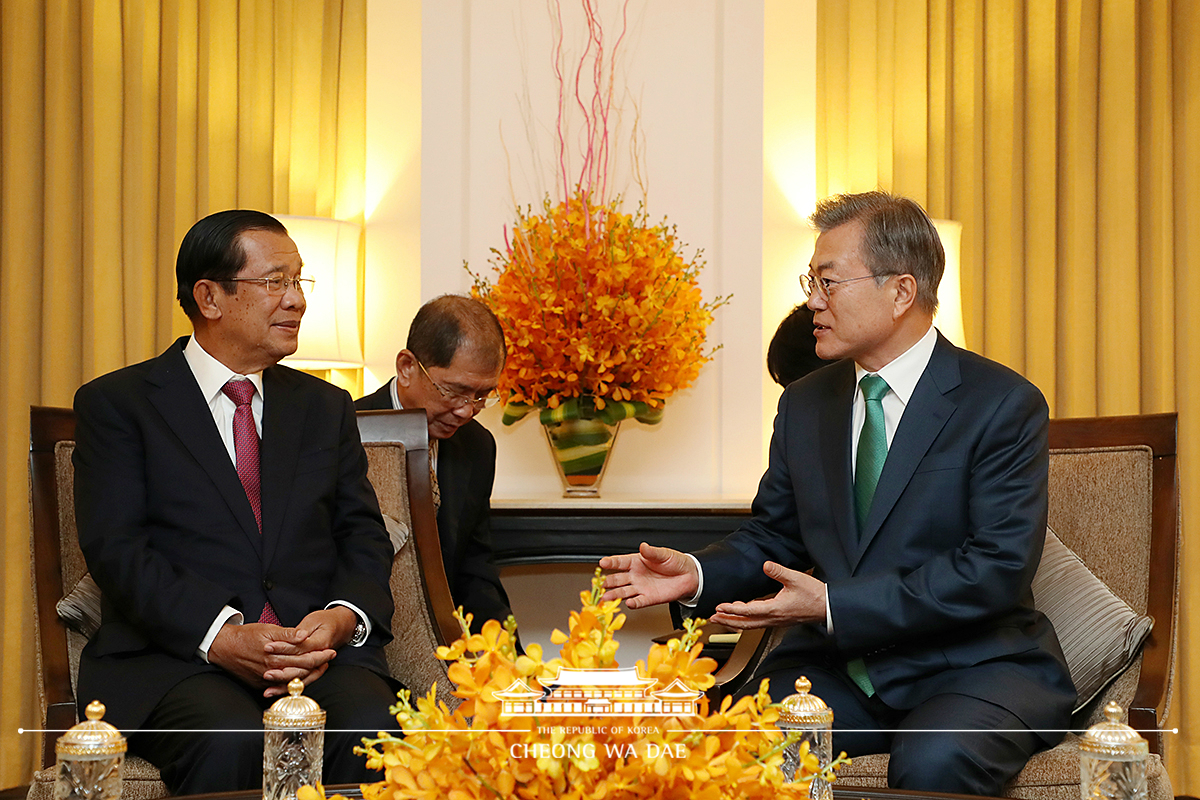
<point x="1062" y="135"/>
<point x="121" y="123"/>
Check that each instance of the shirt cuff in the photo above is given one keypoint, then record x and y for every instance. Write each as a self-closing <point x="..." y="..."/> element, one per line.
<point x="691" y="603"/>
<point x="361" y="616"/>
<point x="828" y="613"/>
<point x="228" y="614"/>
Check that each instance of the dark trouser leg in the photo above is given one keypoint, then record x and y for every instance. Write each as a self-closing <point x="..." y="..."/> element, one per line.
<point x="959" y="744"/>
<point x="224" y="753"/>
<point x="856" y="717"/>
<point x="356" y="700"/>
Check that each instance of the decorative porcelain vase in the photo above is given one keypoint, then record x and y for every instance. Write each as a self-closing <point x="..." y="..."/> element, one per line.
<point x="581" y="449"/>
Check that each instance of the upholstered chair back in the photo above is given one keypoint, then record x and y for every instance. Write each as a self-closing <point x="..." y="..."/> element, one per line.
<point x="410" y="654"/>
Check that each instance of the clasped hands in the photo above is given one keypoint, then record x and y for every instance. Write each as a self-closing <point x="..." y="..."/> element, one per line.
<point x="268" y="656"/>
<point x="656" y="575"/>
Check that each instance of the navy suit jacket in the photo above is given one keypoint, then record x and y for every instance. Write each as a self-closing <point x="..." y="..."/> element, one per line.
<point x="170" y="538"/>
<point x="466" y="470"/>
<point x="934" y="594"/>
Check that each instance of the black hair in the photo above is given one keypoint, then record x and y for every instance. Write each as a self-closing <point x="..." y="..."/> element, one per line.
<point x="451" y="321"/>
<point x="792" y="353"/>
<point x="212" y="250"/>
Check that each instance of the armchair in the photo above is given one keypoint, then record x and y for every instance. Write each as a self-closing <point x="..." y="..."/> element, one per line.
<point x="397" y="449"/>
<point x="1114" y="501"/>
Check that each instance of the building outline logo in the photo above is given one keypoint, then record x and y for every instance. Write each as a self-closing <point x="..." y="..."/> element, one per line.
<point x="619" y="691"/>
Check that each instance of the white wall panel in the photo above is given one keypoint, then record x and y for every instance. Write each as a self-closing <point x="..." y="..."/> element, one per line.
<point x="487" y="111"/>
<point x="486" y="73"/>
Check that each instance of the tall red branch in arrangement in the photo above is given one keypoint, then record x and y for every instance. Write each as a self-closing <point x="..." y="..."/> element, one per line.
<point x="591" y="90"/>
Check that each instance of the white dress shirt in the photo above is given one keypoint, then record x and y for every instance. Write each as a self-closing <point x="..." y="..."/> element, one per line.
<point x="901" y="375"/>
<point x="212" y="375"/>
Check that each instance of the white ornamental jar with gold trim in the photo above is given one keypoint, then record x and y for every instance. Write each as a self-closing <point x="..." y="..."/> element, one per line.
<point x="293" y="744"/>
<point x="1112" y="760"/>
<point x="89" y="759"/>
<point x="809" y="715"/>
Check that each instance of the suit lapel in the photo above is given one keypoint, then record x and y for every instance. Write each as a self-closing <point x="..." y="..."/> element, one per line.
<point x="835" y="420"/>
<point x="284" y="419"/>
<point x="176" y="395"/>
<point x="926" y="414"/>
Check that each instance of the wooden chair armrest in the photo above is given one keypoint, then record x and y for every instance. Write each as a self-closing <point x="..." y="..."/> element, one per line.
<point x="744" y="658"/>
<point x="59" y="717"/>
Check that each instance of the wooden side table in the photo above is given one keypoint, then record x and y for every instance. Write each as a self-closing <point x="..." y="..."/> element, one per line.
<point x="556" y="530"/>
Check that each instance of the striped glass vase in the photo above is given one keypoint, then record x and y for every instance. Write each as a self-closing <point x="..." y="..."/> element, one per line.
<point x="581" y="449"/>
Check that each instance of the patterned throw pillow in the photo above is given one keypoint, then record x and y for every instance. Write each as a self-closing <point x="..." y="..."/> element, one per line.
<point x="1099" y="633"/>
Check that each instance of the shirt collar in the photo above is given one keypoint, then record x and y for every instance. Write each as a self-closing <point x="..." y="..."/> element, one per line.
<point x="395" y="395"/>
<point x="903" y="372"/>
<point x="212" y="374"/>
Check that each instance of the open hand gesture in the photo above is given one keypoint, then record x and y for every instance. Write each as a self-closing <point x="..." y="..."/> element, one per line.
<point x="650" y="576"/>
<point x="802" y="599"/>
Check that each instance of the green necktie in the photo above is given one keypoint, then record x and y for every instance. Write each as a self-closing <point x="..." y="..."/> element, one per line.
<point x="872" y="448"/>
<point x="872" y="452"/>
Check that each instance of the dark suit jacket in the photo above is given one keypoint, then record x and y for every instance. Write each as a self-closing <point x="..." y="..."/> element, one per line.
<point x="170" y="537"/>
<point x="466" y="471"/>
<point x="934" y="594"/>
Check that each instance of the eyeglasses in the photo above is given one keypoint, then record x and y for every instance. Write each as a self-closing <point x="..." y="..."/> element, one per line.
<point x="277" y="284"/>
<point x="824" y="286"/>
<point x="457" y="400"/>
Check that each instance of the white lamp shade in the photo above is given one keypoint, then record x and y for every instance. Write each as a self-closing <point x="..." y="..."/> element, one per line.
<point x="949" y="319"/>
<point x="329" y="331"/>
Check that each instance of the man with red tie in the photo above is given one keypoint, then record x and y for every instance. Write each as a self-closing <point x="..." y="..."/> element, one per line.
<point x="224" y="510"/>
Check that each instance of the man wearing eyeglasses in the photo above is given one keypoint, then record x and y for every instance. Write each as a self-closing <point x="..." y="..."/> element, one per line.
<point x="224" y="511"/>
<point x="450" y="368"/>
<point x="897" y="528"/>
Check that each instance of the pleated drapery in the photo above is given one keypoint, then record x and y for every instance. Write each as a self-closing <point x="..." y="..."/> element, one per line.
<point x="122" y="122"/>
<point x="1063" y="136"/>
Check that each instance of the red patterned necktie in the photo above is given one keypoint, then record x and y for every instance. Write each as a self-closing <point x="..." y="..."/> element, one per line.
<point x="245" y="449"/>
<point x="433" y="480"/>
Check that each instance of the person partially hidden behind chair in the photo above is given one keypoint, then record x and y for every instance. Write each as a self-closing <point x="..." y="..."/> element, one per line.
<point x="911" y="479"/>
<point x="450" y="367"/>
<point x="224" y="511"/>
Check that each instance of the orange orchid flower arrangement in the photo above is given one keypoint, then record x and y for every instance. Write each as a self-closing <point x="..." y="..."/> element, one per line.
<point x="476" y="752"/>
<point x="597" y="304"/>
<point x="602" y="310"/>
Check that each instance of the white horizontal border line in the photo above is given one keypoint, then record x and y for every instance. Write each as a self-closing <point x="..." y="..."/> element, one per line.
<point x="549" y="729"/>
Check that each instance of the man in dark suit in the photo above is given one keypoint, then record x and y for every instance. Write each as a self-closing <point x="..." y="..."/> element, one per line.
<point x="450" y="368"/>
<point x="910" y="478"/>
<point x="224" y="510"/>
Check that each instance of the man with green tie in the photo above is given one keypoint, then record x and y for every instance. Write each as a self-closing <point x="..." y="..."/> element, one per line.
<point x="897" y="528"/>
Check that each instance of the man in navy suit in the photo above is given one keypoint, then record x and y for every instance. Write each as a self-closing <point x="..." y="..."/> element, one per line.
<point x="450" y="367"/>
<point x="897" y="527"/>
<point x="224" y="510"/>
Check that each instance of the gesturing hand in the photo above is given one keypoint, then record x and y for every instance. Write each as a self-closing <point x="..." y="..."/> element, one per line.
<point x="650" y="576"/>
<point x="802" y="599"/>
